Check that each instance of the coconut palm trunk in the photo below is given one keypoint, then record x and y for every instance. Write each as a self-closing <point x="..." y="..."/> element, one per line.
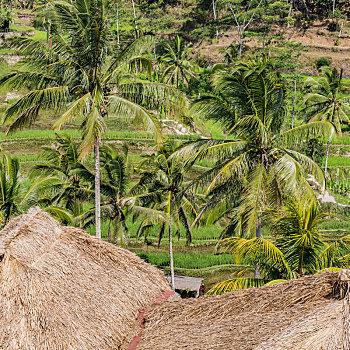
<point x="258" y="234"/>
<point x="290" y="11"/>
<point x="294" y="97"/>
<point x="134" y="12"/>
<point x="327" y="153"/>
<point x="215" y="18"/>
<point x="97" y="188"/>
<point x="293" y="109"/>
<point x="118" y="37"/>
<point x="172" y="274"/>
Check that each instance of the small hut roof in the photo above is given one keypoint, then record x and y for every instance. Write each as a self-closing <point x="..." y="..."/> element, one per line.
<point x="307" y="313"/>
<point x="63" y="289"/>
<point x="186" y="282"/>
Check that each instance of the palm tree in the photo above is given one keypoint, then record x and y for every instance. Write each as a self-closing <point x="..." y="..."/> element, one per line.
<point x="255" y="166"/>
<point x="179" y="68"/>
<point x="325" y="102"/>
<point x="10" y="188"/>
<point x="80" y="76"/>
<point x="114" y="181"/>
<point x="57" y="179"/>
<point x="117" y="201"/>
<point x="297" y="248"/>
<point x="15" y="197"/>
<point x="163" y="185"/>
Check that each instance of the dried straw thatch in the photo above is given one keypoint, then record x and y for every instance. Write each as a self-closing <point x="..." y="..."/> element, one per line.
<point x="62" y="289"/>
<point x="308" y="313"/>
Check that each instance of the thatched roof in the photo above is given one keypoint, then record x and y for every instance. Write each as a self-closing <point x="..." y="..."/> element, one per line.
<point x="63" y="289"/>
<point x="307" y="313"/>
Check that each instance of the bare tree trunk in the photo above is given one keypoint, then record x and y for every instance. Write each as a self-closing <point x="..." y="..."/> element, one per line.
<point x="243" y="24"/>
<point x="240" y="43"/>
<point x="340" y="29"/>
<point x="327" y="153"/>
<point x="333" y="10"/>
<point x="258" y="235"/>
<point x="97" y="188"/>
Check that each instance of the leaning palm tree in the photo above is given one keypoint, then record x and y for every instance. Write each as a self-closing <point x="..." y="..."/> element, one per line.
<point x="296" y="248"/>
<point x="255" y="166"/>
<point x="81" y="78"/>
<point x="326" y="102"/>
<point x="178" y="67"/>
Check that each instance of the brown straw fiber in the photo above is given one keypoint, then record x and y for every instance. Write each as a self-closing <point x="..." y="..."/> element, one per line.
<point x="308" y="313"/>
<point x="63" y="289"/>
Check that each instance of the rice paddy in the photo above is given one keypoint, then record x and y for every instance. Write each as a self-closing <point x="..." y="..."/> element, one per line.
<point x="188" y="261"/>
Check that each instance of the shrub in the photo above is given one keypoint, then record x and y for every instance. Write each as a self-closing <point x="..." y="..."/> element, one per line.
<point x="323" y="61"/>
<point x="333" y="26"/>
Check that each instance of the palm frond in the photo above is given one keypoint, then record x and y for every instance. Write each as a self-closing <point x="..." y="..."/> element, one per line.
<point x="155" y="96"/>
<point x="124" y="107"/>
<point x="27" y="107"/>
<point x="79" y="109"/>
<point x="313" y="129"/>
<point x="236" y="283"/>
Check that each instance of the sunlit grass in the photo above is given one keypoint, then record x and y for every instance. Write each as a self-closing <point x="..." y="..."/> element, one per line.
<point x="48" y="134"/>
<point x="335" y="161"/>
<point x="187" y="261"/>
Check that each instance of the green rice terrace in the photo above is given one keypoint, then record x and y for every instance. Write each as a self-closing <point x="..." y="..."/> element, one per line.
<point x="221" y="142"/>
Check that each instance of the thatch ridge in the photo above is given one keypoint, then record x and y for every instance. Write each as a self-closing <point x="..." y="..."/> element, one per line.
<point x="308" y="313"/>
<point x="60" y="288"/>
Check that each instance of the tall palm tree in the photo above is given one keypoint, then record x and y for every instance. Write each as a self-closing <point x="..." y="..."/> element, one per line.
<point x="162" y="185"/>
<point x="179" y="68"/>
<point x="297" y="247"/>
<point x="81" y="77"/>
<point x="326" y="102"/>
<point x="255" y="166"/>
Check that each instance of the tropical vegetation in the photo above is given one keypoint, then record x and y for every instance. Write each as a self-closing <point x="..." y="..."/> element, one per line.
<point x="234" y="163"/>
